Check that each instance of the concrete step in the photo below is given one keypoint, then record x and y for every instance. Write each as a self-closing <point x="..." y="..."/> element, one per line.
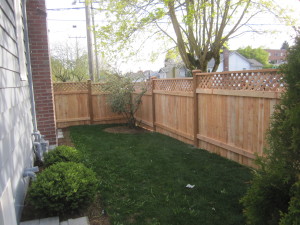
<point x="55" y="221"/>
<point x="78" y="221"/>
<point x="45" y="221"/>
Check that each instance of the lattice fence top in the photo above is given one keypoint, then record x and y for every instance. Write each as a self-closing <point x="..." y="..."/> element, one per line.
<point x="140" y="86"/>
<point x="97" y="88"/>
<point x="70" y="87"/>
<point x="250" y="81"/>
<point x="184" y="85"/>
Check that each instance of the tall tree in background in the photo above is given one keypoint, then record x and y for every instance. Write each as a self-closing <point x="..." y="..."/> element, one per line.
<point x="285" y="45"/>
<point x="69" y="63"/>
<point x="60" y="71"/>
<point x="258" y="54"/>
<point x="198" y="28"/>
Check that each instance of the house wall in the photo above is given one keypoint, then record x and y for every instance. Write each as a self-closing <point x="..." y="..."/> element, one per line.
<point x="15" y="119"/>
<point x="237" y="63"/>
<point x="40" y="64"/>
<point x="277" y="55"/>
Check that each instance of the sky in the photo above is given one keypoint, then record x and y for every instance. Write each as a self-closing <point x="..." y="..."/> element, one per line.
<point x="65" y="25"/>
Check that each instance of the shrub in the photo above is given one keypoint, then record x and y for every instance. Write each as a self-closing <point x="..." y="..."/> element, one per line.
<point x="62" y="154"/>
<point x="292" y="217"/>
<point x="273" y="197"/>
<point x="121" y="97"/>
<point x="62" y="188"/>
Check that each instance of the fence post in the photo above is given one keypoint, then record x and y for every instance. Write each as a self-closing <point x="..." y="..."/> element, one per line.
<point x="90" y="101"/>
<point x="196" y="108"/>
<point x="153" y="104"/>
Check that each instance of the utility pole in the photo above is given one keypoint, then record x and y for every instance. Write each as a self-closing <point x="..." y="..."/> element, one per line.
<point x="89" y="39"/>
<point x="95" y="44"/>
<point x="92" y="55"/>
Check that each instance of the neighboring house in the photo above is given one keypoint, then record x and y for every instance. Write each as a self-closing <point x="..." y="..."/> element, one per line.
<point x="235" y="62"/>
<point x="17" y="117"/>
<point x="277" y="56"/>
<point x="173" y="69"/>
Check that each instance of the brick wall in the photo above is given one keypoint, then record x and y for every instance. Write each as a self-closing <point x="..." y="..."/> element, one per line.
<point x="40" y="64"/>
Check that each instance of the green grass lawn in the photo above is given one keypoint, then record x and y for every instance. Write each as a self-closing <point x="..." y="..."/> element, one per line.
<point x="143" y="179"/>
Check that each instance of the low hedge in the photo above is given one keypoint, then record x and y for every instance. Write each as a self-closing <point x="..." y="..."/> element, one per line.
<point x="62" y="154"/>
<point x="62" y="188"/>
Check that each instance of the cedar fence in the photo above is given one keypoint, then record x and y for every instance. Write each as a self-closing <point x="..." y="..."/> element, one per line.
<point x="226" y="113"/>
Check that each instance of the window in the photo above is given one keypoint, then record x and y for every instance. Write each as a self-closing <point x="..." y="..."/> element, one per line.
<point x="20" y="39"/>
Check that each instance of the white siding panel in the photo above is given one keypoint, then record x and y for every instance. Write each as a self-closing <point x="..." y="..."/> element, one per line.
<point x="10" y="79"/>
<point x="7" y="25"/>
<point x="5" y="151"/>
<point x="6" y="173"/>
<point x="8" y="42"/>
<point x="7" y="210"/>
<point x="8" y="61"/>
<point x="5" y="124"/>
<point x="10" y="97"/>
<point x="7" y="11"/>
<point x="10" y="3"/>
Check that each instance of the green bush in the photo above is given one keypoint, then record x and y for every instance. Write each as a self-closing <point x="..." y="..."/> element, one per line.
<point x="62" y="188"/>
<point x="274" y="195"/>
<point x="292" y="217"/>
<point x="267" y="198"/>
<point x="62" y="154"/>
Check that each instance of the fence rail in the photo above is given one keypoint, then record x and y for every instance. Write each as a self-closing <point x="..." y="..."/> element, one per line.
<point x="226" y="113"/>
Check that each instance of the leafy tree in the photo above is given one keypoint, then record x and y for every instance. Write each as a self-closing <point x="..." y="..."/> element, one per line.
<point x="80" y="68"/>
<point x="274" y="195"/>
<point x="198" y="28"/>
<point x="121" y="95"/>
<point x="68" y="63"/>
<point x="59" y="70"/>
<point x="173" y="54"/>
<point x="259" y="54"/>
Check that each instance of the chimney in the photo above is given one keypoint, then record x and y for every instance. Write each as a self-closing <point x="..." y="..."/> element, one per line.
<point x="225" y="59"/>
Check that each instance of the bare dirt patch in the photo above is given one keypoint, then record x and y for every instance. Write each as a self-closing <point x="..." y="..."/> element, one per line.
<point x="125" y="130"/>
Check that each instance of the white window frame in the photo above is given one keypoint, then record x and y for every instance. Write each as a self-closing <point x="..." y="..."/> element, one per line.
<point x="20" y="40"/>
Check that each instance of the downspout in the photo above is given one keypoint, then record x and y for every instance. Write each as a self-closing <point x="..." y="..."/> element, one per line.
<point x="29" y="71"/>
<point x="39" y="143"/>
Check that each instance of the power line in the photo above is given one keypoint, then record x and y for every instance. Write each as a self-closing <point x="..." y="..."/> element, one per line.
<point x="62" y="9"/>
<point x="104" y="21"/>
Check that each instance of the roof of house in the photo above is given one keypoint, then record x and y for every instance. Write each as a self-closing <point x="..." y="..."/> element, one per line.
<point x="255" y="63"/>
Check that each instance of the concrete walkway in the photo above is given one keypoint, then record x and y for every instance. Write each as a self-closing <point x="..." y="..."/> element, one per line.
<point x="55" y="221"/>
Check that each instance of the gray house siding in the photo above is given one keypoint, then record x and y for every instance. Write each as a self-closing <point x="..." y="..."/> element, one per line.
<point x="15" y="118"/>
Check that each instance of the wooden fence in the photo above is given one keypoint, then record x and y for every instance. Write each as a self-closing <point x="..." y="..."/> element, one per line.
<point x="80" y="103"/>
<point x="225" y="113"/>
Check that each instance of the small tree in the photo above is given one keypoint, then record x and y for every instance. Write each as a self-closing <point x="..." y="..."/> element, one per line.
<point x="123" y="97"/>
<point x="274" y="195"/>
<point x="259" y="54"/>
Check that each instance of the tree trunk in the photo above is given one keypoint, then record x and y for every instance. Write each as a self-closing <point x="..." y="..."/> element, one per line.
<point x="180" y="41"/>
<point x="217" y="63"/>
